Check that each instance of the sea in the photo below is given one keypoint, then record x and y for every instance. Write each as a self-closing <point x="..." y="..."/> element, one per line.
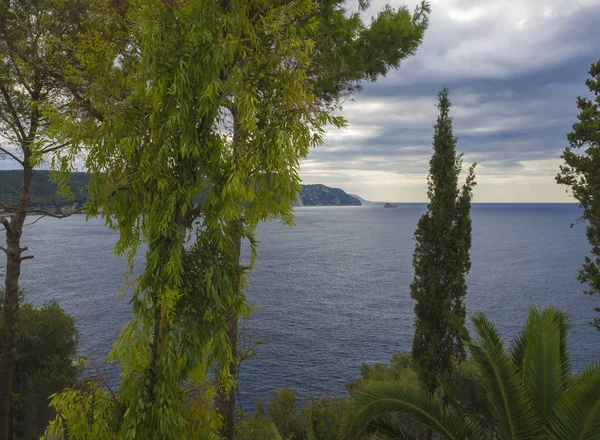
<point x="332" y="292"/>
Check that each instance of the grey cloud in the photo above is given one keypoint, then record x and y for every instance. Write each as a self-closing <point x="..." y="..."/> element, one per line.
<point x="513" y="87"/>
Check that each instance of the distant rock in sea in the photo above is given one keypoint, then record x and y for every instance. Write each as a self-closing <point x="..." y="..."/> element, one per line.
<point x="389" y="205"/>
<point x="321" y="195"/>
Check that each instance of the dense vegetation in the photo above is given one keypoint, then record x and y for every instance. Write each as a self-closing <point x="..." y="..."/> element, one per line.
<point x="192" y="119"/>
<point x="47" y="344"/>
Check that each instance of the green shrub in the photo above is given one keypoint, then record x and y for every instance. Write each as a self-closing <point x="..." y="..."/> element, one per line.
<point x="283" y="411"/>
<point x="255" y="427"/>
<point x="325" y="416"/>
<point x="47" y="344"/>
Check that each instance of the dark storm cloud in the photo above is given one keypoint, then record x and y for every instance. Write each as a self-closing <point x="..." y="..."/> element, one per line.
<point x="514" y="70"/>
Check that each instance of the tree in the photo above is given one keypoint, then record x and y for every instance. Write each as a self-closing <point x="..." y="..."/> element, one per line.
<point x="531" y="391"/>
<point x="47" y="343"/>
<point x="441" y="257"/>
<point x="185" y="99"/>
<point x="345" y="54"/>
<point x="30" y="36"/>
<point x="580" y="175"/>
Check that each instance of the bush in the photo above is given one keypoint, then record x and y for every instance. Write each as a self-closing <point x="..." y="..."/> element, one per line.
<point x="399" y="371"/>
<point x="464" y="385"/>
<point x="255" y="427"/>
<point x="283" y="411"/>
<point x="325" y="416"/>
<point x="47" y="344"/>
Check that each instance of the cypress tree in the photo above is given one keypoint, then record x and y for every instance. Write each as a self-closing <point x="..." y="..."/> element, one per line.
<point x="441" y="257"/>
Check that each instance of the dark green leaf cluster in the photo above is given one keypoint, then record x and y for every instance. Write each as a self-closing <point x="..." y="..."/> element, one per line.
<point x="441" y="257"/>
<point x="580" y="174"/>
<point x="530" y="390"/>
<point x="47" y="343"/>
<point x="321" y="418"/>
<point x="348" y="52"/>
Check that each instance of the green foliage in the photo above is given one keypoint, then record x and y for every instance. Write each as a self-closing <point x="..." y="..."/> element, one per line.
<point x="47" y="344"/>
<point x="166" y="80"/>
<point x="323" y="418"/>
<point x="441" y="258"/>
<point x="463" y="385"/>
<point x="400" y="371"/>
<point x="255" y="427"/>
<point x="348" y="53"/>
<point x="282" y="410"/>
<point x="530" y="391"/>
<point x="580" y="175"/>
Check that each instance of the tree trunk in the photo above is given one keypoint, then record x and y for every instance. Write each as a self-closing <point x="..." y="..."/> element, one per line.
<point x="225" y="401"/>
<point x="10" y="335"/>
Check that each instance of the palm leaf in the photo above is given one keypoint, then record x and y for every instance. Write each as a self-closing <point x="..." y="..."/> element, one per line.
<point x="372" y="404"/>
<point x="576" y="415"/>
<point x="274" y="431"/>
<point x="310" y="434"/>
<point x="543" y="367"/>
<point x="517" y="351"/>
<point x="513" y="414"/>
<point x="386" y="428"/>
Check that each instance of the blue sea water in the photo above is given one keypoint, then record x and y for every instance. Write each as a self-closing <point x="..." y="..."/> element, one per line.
<point x="333" y="292"/>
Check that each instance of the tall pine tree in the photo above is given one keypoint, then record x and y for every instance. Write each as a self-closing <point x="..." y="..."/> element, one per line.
<point x="441" y="258"/>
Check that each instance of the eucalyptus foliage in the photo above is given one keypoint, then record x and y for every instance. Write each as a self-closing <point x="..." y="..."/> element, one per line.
<point x="162" y="81"/>
<point x="531" y="391"/>
<point x="580" y="175"/>
<point x="441" y="257"/>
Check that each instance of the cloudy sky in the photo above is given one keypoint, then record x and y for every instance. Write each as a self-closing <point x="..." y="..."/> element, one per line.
<point x="514" y="69"/>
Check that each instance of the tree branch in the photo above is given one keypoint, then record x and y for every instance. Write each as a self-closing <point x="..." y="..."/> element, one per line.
<point x="15" y="158"/>
<point x="39" y="211"/>
<point x="13" y="111"/>
<point x="54" y="148"/>
<point x="7" y="225"/>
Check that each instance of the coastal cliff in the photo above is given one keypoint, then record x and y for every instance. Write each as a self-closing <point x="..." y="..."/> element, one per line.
<point x="321" y="195"/>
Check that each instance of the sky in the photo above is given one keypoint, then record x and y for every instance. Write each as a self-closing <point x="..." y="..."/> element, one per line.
<point x="514" y="70"/>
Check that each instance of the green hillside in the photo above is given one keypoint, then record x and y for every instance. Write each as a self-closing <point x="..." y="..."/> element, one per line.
<point x="43" y="190"/>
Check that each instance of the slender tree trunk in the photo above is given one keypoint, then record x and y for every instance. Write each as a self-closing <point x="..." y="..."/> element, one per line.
<point x="225" y="401"/>
<point x="8" y="361"/>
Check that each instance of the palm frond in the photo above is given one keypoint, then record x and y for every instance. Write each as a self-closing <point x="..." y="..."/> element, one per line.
<point x="543" y="368"/>
<point x="565" y="322"/>
<point x="370" y="405"/>
<point x="517" y="351"/>
<point x="274" y="431"/>
<point x="386" y="428"/>
<point x="576" y="415"/>
<point x="513" y="414"/>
